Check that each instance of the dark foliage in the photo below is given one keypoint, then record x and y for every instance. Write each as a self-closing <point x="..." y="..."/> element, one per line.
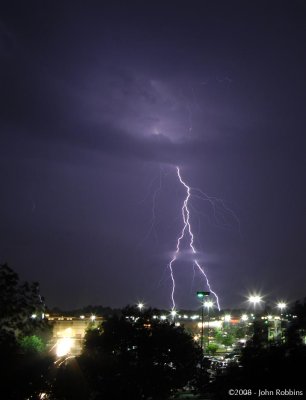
<point x="69" y="383"/>
<point x="23" y="369"/>
<point x="297" y="325"/>
<point x="137" y="357"/>
<point x="18" y="302"/>
<point x="266" y="365"/>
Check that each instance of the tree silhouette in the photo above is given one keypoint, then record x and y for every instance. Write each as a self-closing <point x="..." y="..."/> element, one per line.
<point x="21" y="306"/>
<point x="138" y="357"/>
<point x="266" y="364"/>
<point x="23" y="367"/>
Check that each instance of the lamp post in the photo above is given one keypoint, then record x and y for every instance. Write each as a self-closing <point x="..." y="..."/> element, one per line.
<point x="281" y="305"/>
<point x="244" y="320"/>
<point x="202" y="296"/>
<point x="208" y="304"/>
<point x="254" y="299"/>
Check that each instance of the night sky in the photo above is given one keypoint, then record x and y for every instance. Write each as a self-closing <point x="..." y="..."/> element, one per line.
<point x="101" y="100"/>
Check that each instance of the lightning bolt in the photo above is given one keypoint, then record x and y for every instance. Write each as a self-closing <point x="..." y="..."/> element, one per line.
<point x="187" y="231"/>
<point x="219" y="208"/>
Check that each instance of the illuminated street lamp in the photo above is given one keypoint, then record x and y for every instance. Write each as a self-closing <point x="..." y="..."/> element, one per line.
<point x="255" y="299"/>
<point x="281" y="305"/>
<point x="244" y="317"/>
<point x="202" y="296"/>
<point x="208" y="304"/>
<point x="244" y="321"/>
<point x="140" y="306"/>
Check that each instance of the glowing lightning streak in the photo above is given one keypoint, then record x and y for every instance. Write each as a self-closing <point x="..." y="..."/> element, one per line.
<point x="187" y="226"/>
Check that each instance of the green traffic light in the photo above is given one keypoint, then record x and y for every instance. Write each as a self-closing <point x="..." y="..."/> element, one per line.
<point x="200" y="295"/>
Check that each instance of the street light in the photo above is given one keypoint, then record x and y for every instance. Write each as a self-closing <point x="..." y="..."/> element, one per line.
<point x="244" y="317"/>
<point x="281" y="305"/>
<point x="202" y="296"/>
<point x="140" y="306"/>
<point x="208" y="304"/>
<point x="255" y="299"/>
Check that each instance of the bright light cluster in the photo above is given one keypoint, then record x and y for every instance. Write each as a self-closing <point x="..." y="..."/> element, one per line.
<point x="140" y="306"/>
<point x="65" y="343"/>
<point x="63" y="346"/>
<point x="227" y="318"/>
<point x="281" y="305"/>
<point x="255" y="299"/>
<point x="208" y="304"/>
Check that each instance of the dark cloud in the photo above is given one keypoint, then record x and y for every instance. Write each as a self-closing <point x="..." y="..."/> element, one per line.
<point x="99" y="103"/>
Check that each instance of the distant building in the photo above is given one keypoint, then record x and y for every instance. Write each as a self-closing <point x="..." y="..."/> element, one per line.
<point x="69" y="332"/>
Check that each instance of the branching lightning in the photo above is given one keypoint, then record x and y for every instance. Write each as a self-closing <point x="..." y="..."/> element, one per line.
<point x="218" y="206"/>
<point x="222" y="216"/>
<point x="187" y="231"/>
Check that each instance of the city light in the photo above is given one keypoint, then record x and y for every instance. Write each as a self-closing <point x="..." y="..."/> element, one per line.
<point x="93" y="317"/>
<point x="281" y="305"/>
<point x="244" y="317"/>
<point x="227" y="318"/>
<point x="140" y="306"/>
<point x="255" y="299"/>
<point x="208" y="304"/>
<point x="210" y="324"/>
<point x="173" y="313"/>
<point x="201" y="295"/>
<point x="63" y="346"/>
